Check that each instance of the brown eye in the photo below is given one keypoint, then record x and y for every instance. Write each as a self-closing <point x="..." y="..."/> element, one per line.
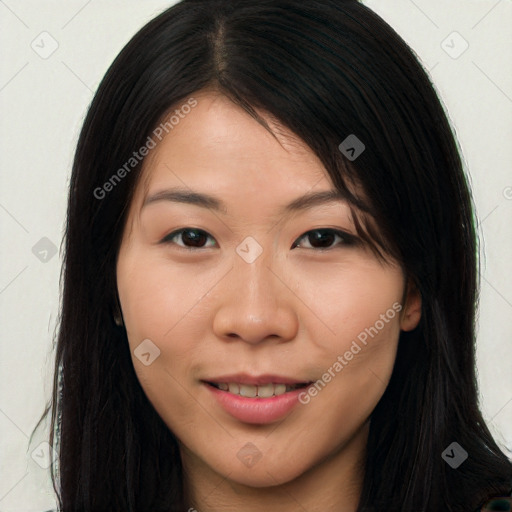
<point x="191" y="238"/>
<point x="324" y="239"/>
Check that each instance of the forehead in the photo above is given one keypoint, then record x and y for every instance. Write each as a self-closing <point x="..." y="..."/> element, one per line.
<point x="218" y="147"/>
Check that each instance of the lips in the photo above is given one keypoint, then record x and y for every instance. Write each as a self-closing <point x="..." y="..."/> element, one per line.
<point x="256" y="380"/>
<point x="256" y="399"/>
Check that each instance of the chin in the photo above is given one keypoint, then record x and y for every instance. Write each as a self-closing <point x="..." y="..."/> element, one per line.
<point x="262" y="477"/>
<point x="262" y="473"/>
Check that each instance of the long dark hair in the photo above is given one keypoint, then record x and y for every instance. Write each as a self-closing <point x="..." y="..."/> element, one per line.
<point x="325" y="69"/>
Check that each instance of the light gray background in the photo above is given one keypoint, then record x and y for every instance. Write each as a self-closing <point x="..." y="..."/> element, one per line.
<point x="44" y="101"/>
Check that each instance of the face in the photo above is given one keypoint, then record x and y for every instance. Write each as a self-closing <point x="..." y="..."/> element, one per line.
<point x="252" y="292"/>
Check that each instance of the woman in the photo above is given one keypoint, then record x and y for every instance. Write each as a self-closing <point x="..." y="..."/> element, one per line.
<point x="270" y="275"/>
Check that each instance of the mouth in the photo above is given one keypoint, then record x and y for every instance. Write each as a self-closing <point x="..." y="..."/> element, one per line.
<point x="262" y="403"/>
<point x="255" y="399"/>
<point x="266" y="390"/>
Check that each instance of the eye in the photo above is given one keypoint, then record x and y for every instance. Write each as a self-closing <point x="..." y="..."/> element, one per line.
<point x="323" y="238"/>
<point x="194" y="238"/>
<point x="191" y="238"/>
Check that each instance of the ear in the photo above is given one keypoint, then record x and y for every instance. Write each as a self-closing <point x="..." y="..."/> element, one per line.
<point x="411" y="313"/>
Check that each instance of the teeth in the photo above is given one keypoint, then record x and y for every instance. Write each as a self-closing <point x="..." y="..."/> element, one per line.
<point x="251" y="391"/>
<point x="248" y="390"/>
<point x="279" y="389"/>
<point x="234" y="388"/>
<point x="266" y="391"/>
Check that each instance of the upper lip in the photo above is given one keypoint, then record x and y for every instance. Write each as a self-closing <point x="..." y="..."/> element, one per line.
<point x="256" y="380"/>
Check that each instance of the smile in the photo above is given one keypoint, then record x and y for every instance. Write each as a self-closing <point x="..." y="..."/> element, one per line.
<point x="259" y="400"/>
<point x="252" y="391"/>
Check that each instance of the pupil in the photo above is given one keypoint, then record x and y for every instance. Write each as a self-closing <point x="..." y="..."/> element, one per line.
<point x="321" y="236"/>
<point x="196" y="235"/>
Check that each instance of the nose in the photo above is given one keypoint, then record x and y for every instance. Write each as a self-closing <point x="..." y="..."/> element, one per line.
<point x="255" y="304"/>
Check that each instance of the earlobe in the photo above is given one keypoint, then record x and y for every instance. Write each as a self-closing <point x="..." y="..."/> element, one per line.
<point x="411" y="313"/>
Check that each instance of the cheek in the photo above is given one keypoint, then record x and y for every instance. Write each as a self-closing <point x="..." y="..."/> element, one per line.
<point x="158" y="297"/>
<point x="160" y="304"/>
<point x="156" y="310"/>
<point x="355" y="357"/>
<point x="145" y="299"/>
<point x="369" y="329"/>
<point x="356" y="370"/>
<point x="150" y="310"/>
<point x="361" y="301"/>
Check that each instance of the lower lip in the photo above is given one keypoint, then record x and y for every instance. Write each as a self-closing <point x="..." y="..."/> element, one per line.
<point x="257" y="410"/>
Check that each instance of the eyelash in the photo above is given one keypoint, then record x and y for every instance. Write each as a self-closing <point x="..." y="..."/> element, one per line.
<point x="347" y="239"/>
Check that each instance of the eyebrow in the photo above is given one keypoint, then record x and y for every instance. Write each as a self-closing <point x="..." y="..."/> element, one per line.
<point x="304" y="202"/>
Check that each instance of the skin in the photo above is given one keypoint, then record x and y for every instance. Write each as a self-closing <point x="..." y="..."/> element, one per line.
<point x="292" y="312"/>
